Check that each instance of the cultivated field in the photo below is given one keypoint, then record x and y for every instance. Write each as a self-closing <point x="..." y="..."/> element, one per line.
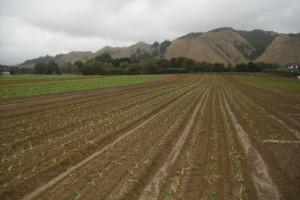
<point x="173" y="137"/>
<point x="22" y="86"/>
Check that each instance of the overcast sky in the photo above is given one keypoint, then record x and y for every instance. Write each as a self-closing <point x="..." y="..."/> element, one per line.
<point x="33" y="28"/>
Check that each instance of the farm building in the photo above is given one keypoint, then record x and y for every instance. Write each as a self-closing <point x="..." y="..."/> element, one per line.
<point x="291" y="67"/>
<point x="4" y="71"/>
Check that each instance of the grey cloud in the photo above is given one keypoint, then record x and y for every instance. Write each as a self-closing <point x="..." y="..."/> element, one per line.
<point x="55" y="26"/>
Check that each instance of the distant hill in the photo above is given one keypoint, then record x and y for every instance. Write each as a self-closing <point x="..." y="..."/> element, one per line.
<point x="284" y="49"/>
<point x="259" y="40"/>
<point x="223" y="45"/>
<point x="227" y="45"/>
<point x="119" y="52"/>
<point x="60" y="58"/>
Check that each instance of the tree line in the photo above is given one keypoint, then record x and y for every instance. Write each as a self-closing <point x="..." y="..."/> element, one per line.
<point x="104" y="64"/>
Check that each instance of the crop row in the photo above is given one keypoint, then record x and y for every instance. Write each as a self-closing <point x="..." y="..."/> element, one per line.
<point x="264" y="127"/>
<point x="10" y="91"/>
<point x="216" y="170"/>
<point x="77" y="115"/>
<point x="133" y="157"/>
<point x="27" y="163"/>
<point x="284" y="86"/>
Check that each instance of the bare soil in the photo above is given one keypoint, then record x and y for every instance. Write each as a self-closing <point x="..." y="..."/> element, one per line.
<point x="178" y="138"/>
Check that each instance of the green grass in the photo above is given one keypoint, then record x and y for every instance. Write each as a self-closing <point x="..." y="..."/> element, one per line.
<point x="283" y="86"/>
<point x="24" y="86"/>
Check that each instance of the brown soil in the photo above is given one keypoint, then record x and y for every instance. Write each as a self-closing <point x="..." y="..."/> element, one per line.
<point x="114" y="143"/>
<point x="281" y="107"/>
<point x="282" y="159"/>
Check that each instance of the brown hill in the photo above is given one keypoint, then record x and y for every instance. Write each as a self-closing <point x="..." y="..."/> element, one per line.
<point x="120" y="52"/>
<point x="284" y="49"/>
<point x="61" y="58"/>
<point x="223" y="45"/>
<point x="73" y="56"/>
<point x="214" y="46"/>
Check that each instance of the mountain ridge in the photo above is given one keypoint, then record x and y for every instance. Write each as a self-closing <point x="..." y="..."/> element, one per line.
<point x="224" y="45"/>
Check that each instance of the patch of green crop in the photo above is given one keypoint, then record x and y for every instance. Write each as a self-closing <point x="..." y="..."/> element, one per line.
<point x="37" y="79"/>
<point x="14" y="86"/>
<point x="283" y="86"/>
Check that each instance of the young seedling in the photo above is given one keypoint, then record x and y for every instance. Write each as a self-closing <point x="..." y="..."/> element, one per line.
<point x="176" y="184"/>
<point x="169" y="194"/>
<point x="11" y="167"/>
<point x="92" y="182"/>
<point x="214" y="196"/>
<point x="34" y="168"/>
<point x="100" y="172"/>
<point x="77" y="191"/>
<point x="64" y="147"/>
<point x="4" y="159"/>
<point x="6" y="185"/>
<point x="20" y="162"/>
<point x="30" y="145"/>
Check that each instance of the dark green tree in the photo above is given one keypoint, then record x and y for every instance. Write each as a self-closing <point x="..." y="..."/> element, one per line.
<point x="133" y="69"/>
<point x="138" y="51"/>
<point x="155" y="45"/>
<point x="242" y="67"/>
<point x="123" y="65"/>
<point x="139" y="56"/>
<point x="92" y="68"/>
<point x="177" y="62"/>
<point x="116" y="62"/>
<point x="78" y="64"/>
<point x="252" y="67"/>
<point x="188" y="63"/>
<point x="133" y="57"/>
<point x="52" y="67"/>
<point x="163" y="63"/>
<point x="147" y="55"/>
<point x="164" y="45"/>
<point x="105" y="57"/>
<point x="218" y="67"/>
<point x="68" y="68"/>
<point x="39" y="68"/>
<point x="154" y="53"/>
<point x="150" y="68"/>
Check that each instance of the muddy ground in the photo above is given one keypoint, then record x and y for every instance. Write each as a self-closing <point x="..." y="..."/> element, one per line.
<point x="183" y="137"/>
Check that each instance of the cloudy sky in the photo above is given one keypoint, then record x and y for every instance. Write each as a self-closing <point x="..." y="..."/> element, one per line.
<point x="33" y="28"/>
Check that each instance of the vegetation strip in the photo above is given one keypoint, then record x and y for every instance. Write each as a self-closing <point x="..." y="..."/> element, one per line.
<point x="33" y="89"/>
<point x="260" y="176"/>
<point x="286" y="87"/>
<point x="152" y="190"/>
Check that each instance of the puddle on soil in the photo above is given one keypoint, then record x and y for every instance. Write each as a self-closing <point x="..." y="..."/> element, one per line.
<point x="260" y="176"/>
<point x="152" y="190"/>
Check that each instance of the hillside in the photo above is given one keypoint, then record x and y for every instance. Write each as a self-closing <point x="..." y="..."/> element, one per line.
<point x="227" y="45"/>
<point x="223" y="45"/>
<point x="119" y="52"/>
<point x="60" y="58"/>
<point x="214" y="46"/>
<point x="258" y="39"/>
<point x="73" y="56"/>
<point x="284" y="49"/>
